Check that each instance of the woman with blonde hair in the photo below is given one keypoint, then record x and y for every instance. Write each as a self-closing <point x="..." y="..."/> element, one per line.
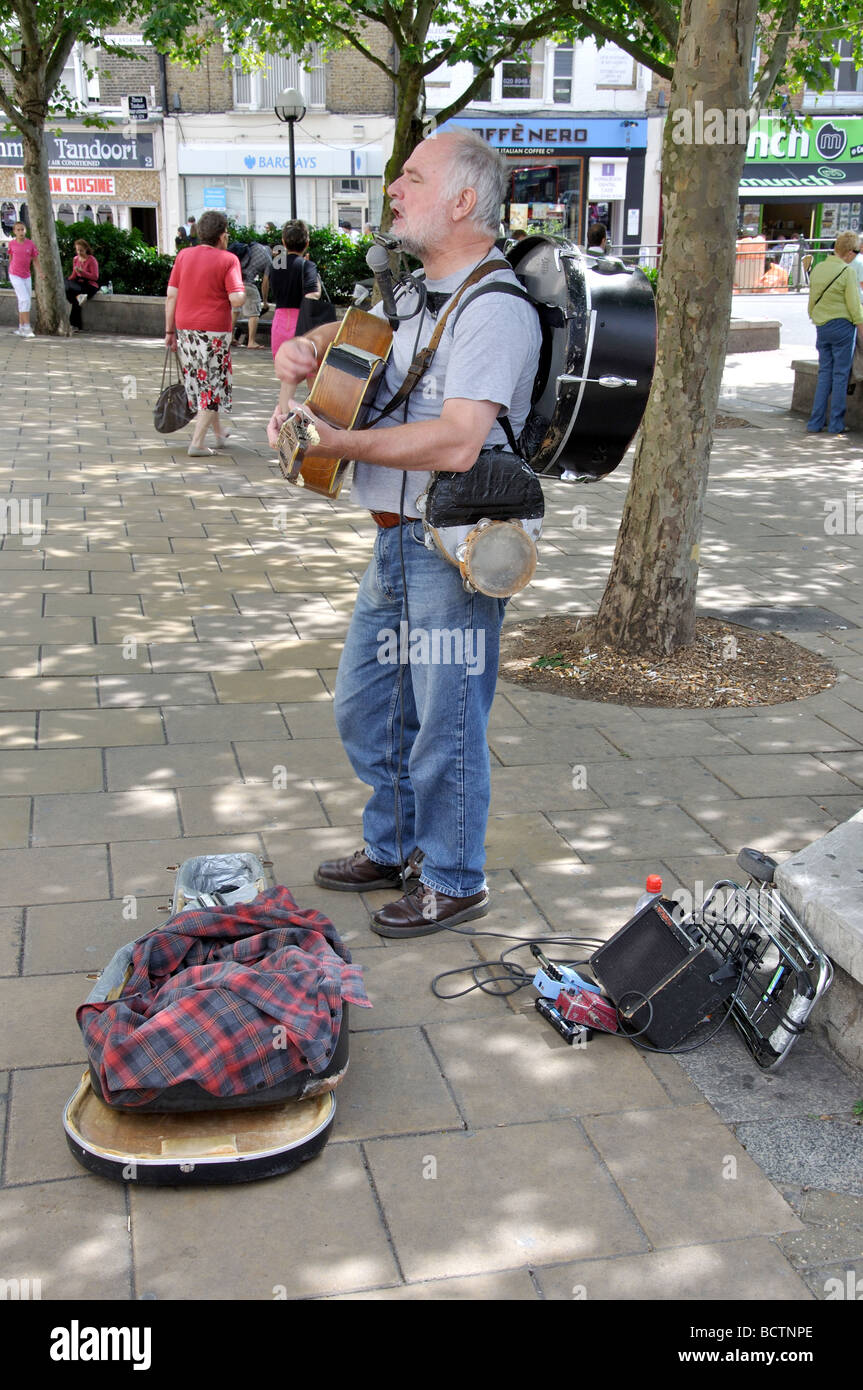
<point x="205" y="283"/>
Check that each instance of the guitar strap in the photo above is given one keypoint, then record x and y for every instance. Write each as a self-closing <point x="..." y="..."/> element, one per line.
<point x="423" y="359"/>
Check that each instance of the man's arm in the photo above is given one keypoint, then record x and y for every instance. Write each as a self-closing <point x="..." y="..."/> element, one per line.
<point x="452" y="442"/>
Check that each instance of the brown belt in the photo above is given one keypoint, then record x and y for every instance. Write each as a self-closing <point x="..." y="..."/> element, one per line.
<point x="387" y="519"/>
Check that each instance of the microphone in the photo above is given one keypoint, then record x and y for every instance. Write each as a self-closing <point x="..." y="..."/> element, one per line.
<point x="378" y="263"/>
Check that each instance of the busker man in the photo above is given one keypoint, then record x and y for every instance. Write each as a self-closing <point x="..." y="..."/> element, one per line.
<point x="446" y="208"/>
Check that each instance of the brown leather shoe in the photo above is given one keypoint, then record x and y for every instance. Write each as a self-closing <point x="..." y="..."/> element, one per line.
<point x="423" y="911"/>
<point x="356" y="874"/>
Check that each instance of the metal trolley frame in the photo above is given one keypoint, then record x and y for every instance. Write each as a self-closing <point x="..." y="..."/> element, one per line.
<point x="780" y="972"/>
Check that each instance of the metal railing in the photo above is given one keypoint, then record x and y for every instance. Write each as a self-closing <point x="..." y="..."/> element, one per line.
<point x="761" y="267"/>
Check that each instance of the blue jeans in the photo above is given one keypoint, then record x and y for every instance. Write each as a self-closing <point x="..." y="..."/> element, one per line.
<point x="835" y="342"/>
<point x="447" y="656"/>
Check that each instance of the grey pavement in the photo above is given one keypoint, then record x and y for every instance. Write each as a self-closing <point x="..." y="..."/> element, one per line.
<point x="172" y="633"/>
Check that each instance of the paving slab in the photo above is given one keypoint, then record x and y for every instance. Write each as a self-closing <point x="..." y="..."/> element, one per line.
<point x="211" y="1243"/>
<point x="752" y="1270"/>
<point x="174" y="765"/>
<point x="37" y="1150"/>
<point x="11" y="935"/>
<point x="522" y="1070"/>
<point x="632" y="833"/>
<point x="686" y="1178"/>
<point x="28" y="1039"/>
<point x="771" y="824"/>
<point x="482" y="1288"/>
<point x="98" y="729"/>
<point x="84" y="936"/>
<point x="808" y="1082"/>
<point x="254" y="806"/>
<point x="71" y="1236"/>
<point x="460" y="1204"/>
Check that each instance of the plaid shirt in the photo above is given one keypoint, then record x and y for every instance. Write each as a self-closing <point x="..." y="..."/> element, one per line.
<point x="257" y="263"/>
<point x="233" y="998"/>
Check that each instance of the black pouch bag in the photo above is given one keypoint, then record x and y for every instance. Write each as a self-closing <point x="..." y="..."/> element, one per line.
<point x="500" y="486"/>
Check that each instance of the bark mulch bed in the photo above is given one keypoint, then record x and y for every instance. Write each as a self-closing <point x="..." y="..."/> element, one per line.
<point x="726" y="665"/>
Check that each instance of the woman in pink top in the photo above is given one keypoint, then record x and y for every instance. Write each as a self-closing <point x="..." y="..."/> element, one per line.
<point x="83" y="283"/>
<point x="204" y="285"/>
<point x="22" y="254"/>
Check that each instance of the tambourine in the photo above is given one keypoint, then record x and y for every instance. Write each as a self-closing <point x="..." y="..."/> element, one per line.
<point x="486" y="521"/>
<point x="497" y="558"/>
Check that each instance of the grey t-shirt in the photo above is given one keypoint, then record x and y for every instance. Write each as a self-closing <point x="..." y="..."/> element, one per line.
<point x="492" y="355"/>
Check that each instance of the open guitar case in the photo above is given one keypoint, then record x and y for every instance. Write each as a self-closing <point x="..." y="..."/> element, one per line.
<point x="187" y="1136"/>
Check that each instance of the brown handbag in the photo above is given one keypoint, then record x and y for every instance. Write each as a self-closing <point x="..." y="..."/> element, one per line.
<point x="171" y="411"/>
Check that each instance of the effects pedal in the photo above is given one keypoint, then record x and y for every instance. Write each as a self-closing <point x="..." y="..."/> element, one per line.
<point x="570" y="1032"/>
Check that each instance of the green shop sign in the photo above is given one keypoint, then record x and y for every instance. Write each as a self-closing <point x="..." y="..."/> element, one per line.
<point x="826" y="156"/>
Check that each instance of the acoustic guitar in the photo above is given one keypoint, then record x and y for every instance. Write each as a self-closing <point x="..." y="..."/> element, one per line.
<point x="343" y="390"/>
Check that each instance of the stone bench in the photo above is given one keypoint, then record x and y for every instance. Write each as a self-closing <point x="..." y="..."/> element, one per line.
<point x="753" y="335"/>
<point x="805" y="377"/>
<point x="823" y="886"/>
<point x="134" y="315"/>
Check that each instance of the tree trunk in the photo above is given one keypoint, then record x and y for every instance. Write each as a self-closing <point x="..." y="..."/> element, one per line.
<point x="408" y="131"/>
<point x="48" y="279"/>
<point x="649" y="602"/>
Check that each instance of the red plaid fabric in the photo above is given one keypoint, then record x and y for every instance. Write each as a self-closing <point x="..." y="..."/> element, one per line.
<point x="233" y="998"/>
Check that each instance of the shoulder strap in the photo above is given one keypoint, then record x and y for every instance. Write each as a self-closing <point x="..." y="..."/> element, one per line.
<point x="423" y="359"/>
<point x="831" y="282"/>
<point x="503" y="288"/>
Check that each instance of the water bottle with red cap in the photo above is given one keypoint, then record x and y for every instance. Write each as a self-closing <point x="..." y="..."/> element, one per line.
<point x="653" y="889"/>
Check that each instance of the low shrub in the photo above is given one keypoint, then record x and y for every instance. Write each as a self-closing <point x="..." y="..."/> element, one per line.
<point x="124" y="258"/>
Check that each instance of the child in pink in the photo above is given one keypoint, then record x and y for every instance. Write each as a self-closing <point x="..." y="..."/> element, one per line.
<point x="22" y="254"/>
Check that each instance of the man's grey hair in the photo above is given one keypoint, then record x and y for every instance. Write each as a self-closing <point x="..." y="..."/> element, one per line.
<point x="474" y="164"/>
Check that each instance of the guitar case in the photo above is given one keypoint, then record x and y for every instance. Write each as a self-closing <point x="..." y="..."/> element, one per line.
<point x="195" y="1149"/>
<point x="184" y="1134"/>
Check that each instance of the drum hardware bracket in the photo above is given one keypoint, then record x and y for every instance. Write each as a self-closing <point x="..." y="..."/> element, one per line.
<point x="610" y="381"/>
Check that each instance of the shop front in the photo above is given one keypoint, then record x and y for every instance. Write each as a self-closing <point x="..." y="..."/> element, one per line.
<point x="104" y="177"/>
<point x="565" y="174"/>
<point x="251" y="182"/>
<point x="803" y="182"/>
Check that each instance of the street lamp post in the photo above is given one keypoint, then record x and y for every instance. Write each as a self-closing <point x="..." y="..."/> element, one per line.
<point x="289" y="109"/>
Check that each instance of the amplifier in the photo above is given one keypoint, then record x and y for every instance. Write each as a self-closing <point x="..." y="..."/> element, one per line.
<point x="659" y="976"/>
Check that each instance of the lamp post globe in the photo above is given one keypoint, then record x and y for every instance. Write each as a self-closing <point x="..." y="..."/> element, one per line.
<point x="289" y="109"/>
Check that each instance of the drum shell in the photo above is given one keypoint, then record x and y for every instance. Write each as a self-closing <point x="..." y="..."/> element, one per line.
<point x="599" y="320"/>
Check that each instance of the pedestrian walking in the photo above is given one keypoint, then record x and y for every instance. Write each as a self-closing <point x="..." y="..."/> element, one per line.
<point x="22" y="255"/>
<point x="205" y="283"/>
<point x="292" y="278"/>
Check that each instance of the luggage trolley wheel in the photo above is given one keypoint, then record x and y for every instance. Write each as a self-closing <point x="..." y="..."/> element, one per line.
<point x="757" y="865"/>
<point x="195" y="1149"/>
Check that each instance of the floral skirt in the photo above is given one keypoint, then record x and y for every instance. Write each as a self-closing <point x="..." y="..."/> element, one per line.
<point x="205" y="359"/>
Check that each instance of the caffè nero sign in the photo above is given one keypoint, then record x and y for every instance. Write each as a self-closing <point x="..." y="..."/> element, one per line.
<point x="106" y="149"/>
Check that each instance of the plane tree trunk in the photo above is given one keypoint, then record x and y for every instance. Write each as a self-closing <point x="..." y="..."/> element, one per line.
<point x="648" y="606"/>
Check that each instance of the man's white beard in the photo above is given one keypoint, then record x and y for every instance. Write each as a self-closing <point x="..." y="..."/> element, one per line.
<point x="424" y="234"/>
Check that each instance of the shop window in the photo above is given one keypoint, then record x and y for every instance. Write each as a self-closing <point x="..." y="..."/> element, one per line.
<point x="105" y="214"/>
<point x="85" y="212"/>
<point x="849" y="78"/>
<point x="8" y="218"/>
<point x="65" y="214"/>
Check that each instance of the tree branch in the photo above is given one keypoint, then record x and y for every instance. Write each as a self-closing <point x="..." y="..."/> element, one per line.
<point x="778" y="54"/>
<point x="635" y="50"/>
<point x="366" y="52"/>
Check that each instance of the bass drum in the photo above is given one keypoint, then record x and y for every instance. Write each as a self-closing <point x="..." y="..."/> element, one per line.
<point x="596" y="364"/>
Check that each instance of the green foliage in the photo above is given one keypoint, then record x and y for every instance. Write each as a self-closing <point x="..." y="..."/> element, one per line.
<point x="124" y="258"/>
<point x="340" y="260"/>
<point x="652" y="273"/>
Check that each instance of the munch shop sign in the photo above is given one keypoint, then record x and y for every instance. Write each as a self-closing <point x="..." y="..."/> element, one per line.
<point x="85" y="150"/>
